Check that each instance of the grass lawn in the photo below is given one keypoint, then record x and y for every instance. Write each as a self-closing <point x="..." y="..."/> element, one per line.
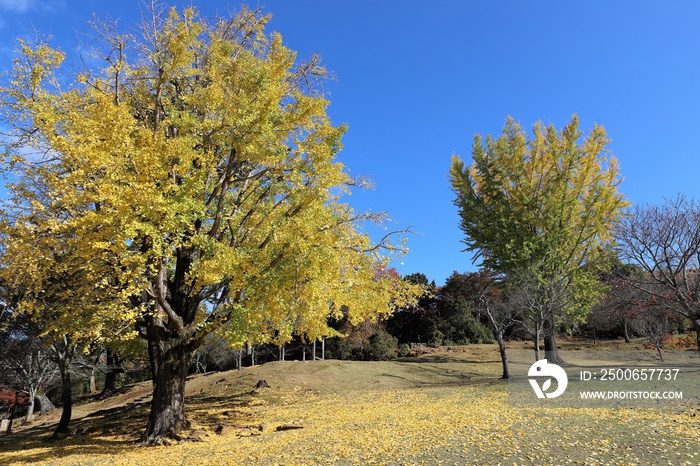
<point x="444" y="407"/>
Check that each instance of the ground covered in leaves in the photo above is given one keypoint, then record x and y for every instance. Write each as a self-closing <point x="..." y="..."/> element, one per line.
<point x="445" y="407"/>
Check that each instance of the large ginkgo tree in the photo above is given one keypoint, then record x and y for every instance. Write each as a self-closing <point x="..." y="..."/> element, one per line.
<point x="189" y="172"/>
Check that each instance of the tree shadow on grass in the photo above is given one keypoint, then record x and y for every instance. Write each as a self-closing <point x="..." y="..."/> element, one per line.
<point x="442" y="359"/>
<point x="433" y="371"/>
<point x="93" y="436"/>
<point x="445" y="380"/>
<point x="113" y="431"/>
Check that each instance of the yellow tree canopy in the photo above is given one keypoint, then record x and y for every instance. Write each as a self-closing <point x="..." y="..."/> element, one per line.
<point x="192" y="181"/>
<point x="544" y="204"/>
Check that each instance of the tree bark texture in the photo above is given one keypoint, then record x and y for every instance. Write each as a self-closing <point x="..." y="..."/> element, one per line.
<point x="167" y="418"/>
<point x="113" y="368"/>
<point x="551" y="353"/>
<point x="45" y="405"/>
<point x="550" y="342"/>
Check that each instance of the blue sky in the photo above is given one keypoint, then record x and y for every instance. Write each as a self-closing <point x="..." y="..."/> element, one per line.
<point x="414" y="81"/>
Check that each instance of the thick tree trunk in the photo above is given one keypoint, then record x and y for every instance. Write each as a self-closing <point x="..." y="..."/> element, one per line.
<point x="110" y="382"/>
<point x="45" y="405"/>
<point x="113" y="368"/>
<point x="551" y="353"/>
<point x="63" y="355"/>
<point x="167" y="418"/>
<point x="550" y="342"/>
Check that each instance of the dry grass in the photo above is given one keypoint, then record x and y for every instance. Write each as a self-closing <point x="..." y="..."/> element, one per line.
<point x="444" y="407"/>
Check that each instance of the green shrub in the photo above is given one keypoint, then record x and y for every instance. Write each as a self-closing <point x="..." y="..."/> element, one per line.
<point x="382" y="347"/>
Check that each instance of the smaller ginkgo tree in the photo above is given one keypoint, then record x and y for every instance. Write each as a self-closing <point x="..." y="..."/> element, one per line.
<point x="542" y="205"/>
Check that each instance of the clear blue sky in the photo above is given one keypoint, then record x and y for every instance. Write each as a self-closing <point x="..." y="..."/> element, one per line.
<point x="415" y="81"/>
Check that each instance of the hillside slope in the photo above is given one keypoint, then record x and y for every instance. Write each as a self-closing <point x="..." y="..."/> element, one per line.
<point x="447" y="407"/>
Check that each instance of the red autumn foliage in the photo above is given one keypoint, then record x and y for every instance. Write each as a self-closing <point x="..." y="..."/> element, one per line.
<point x="7" y="397"/>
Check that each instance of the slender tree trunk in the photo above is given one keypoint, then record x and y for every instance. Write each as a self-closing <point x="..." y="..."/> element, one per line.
<point x="167" y="418"/>
<point x="66" y="401"/>
<point x="625" y="331"/>
<point x="12" y="414"/>
<point x="93" y="387"/>
<point x="498" y="333"/>
<point x="537" y="345"/>
<point x="504" y="358"/>
<point x="323" y="348"/>
<point x="696" y="327"/>
<point x="30" y="408"/>
<point x="314" y="350"/>
<point x="281" y="349"/>
<point x="658" y="349"/>
<point x="240" y="359"/>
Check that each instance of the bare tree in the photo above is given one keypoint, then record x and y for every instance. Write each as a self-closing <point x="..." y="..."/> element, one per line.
<point x="27" y="366"/>
<point x="538" y="300"/>
<point x="214" y="352"/>
<point x="622" y="303"/>
<point x="500" y="317"/>
<point x="665" y="242"/>
<point x="88" y="366"/>
<point x="653" y="324"/>
<point x="24" y="363"/>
